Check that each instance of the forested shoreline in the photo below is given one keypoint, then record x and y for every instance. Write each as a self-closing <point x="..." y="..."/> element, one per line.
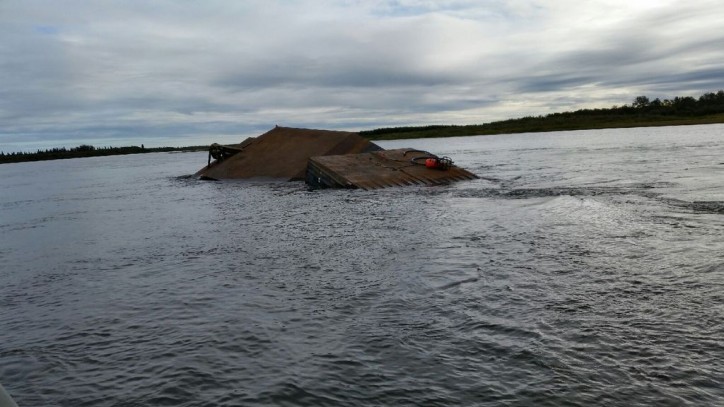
<point x="86" y="151"/>
<point x="642" y="112"/>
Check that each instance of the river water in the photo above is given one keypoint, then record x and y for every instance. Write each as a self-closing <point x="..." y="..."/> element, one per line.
<point x="583" y="268"/>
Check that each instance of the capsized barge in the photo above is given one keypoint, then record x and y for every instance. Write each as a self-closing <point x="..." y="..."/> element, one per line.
<point x="328" y="159"/>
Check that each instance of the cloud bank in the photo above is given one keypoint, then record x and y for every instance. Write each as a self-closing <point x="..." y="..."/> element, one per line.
<point x="179" y="73"/>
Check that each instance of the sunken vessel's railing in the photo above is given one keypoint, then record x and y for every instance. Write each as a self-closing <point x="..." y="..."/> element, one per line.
<point x="220" y="152"/>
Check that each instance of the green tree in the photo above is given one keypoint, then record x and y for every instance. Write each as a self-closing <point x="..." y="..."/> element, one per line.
<point x="640" y="102"/>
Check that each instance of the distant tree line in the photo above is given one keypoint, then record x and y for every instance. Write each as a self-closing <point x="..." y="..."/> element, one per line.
<point x="686" y="106"/>
<point x="85" y="150"/>
<point x="708" y="108"/>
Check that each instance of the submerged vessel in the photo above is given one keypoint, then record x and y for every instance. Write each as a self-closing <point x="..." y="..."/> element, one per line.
<point x="328" y="159"/>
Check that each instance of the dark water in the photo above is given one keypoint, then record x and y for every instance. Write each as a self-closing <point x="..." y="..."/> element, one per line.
<point x="584" y="268"/>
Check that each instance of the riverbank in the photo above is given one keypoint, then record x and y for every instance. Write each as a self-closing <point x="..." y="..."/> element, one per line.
<point x="679" y="111"/>
<point x="643" y="112"/>
<point x="558" y="122"/>
<point x="88" y="151"/>
<point x="513" y="126"/>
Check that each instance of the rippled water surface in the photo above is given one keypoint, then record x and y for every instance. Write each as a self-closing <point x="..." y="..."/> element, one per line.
<point x="583" y="268"/>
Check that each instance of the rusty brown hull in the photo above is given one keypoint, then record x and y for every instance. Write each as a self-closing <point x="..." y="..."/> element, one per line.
<point x="326" y="159"/>
<point x="283" y="152"/>
<point x="380" y="169"/>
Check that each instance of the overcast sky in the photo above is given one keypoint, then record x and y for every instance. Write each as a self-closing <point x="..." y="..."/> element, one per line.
<point x="187" y="72"/>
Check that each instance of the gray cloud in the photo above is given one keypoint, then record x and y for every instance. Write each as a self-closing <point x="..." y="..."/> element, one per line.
<point x="124" y="72"/>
